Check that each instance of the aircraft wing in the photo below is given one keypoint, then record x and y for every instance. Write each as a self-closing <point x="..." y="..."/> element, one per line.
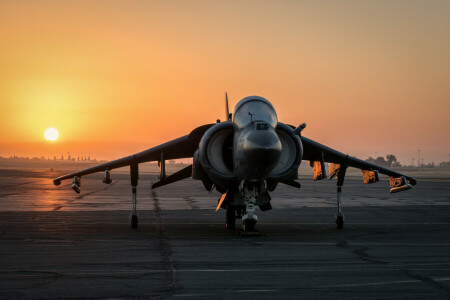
<point x="182" y="147"/>
<point x="314" y="151"/>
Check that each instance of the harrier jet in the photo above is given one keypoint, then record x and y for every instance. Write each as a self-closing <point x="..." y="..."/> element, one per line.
<point x="245" y="157"/>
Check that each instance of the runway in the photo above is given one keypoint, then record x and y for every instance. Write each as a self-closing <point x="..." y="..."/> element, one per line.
<point x="58" y="244"/>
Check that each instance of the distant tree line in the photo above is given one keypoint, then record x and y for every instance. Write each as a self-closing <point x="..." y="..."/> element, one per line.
<point x="69" y="158"/>
<point x="389" y="162"/>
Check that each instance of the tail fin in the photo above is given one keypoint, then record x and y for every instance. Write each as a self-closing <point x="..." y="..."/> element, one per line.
<point x="227" y="111"/>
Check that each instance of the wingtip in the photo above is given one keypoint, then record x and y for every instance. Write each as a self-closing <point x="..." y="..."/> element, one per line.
<point x="412" y="181"/>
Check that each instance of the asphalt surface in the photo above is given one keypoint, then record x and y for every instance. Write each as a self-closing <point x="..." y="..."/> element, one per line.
<point x="57" y="244"/>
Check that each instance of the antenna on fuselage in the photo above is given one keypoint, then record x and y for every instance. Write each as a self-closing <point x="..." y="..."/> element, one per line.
<point x="227" y="111"/>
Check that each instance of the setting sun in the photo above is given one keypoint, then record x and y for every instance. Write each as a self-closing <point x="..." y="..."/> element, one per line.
<point x="51" y="134"/>
<point x="111" y="76"/>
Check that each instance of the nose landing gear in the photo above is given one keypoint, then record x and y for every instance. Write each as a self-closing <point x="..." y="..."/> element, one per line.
<point x="249" y="219"/>
<point x="249" y="192"/>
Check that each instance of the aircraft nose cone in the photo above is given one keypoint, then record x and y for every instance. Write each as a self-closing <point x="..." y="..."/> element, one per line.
<point x="262" y="150"/>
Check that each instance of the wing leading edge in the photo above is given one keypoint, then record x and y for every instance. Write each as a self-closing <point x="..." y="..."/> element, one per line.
<point x="182" y="147"/>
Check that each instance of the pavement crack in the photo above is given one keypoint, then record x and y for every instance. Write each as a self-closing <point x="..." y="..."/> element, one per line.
<point x="11" y="194"/>
<point x="58" y="206"/>
<point x="190" y="202"/>
<point x="100" y="190"/>
<point x="427" y="280"/>
<point x="360" y="252"/>
<point x="20" y="184"/>
<point x="164" y="248"/>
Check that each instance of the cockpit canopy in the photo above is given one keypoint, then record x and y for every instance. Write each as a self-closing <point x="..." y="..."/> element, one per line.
<point x="254" y="108"/>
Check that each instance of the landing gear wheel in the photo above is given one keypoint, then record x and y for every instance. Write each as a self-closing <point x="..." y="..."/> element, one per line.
<point x="239" y="210"/>
<point x="249" y="225"/>
<point x="339" y="222"/>
<point x="134" y="221"/>
<point x="231" y="217"/>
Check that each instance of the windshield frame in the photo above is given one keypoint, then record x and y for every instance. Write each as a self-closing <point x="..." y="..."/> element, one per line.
<point x="264" y="113"/>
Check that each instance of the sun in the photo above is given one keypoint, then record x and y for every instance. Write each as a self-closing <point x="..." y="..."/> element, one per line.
<point x="51" y="134"/>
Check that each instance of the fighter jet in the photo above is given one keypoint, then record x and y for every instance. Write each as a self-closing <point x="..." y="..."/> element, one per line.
<point x="244" y="158"/>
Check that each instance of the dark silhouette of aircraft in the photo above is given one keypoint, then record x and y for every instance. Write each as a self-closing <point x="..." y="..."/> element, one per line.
<point x="244" y="158"/>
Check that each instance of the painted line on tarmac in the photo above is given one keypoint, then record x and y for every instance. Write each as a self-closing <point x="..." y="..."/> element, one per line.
<point x="439" y="279"/>
<point x="255" y="291"/>
<point x="308" y="223"/>
<point x="39" y="273"/>
<point x="358" y="244"/>
<point x="262" y="241"/>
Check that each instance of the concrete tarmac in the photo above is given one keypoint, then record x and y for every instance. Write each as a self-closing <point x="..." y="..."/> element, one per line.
<point x="57" y="244"/>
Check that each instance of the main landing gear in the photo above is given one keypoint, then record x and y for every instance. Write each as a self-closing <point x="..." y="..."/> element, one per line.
<point x="231" y="217"/>
<point x="248" y="219"/>
<point x="233" y="213"/>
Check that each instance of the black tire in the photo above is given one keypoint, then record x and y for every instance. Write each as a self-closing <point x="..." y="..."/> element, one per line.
<point x="339" y="222"/>
<point x="231" y="217"/>
<point x="239" y="210"/>
<point x="249" y="225"/>
<point x="134" y="221"/>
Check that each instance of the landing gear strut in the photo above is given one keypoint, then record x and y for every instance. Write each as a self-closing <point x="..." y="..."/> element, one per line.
<point x="339" y="217"/>
<point x="134" y="220"/>
<point x="249" y="220"/>
<point x="249" y="192"/>
<point x="134" y="172"/>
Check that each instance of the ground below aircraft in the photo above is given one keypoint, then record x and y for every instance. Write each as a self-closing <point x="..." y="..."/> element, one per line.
<point x="245" y="158"/>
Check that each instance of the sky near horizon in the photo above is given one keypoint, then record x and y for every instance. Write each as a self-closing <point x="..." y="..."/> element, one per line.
<point x="368" y="78"/>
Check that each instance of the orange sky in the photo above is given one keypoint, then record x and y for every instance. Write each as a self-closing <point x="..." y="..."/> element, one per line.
<point x="117" y="77"/>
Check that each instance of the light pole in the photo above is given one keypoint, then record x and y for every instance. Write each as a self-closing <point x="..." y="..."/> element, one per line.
<point x="418" y="161"/>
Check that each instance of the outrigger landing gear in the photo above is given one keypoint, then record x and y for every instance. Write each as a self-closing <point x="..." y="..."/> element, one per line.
<point x="339" y="217"/>
<point x="134" y="172"/>
<point x="134" y="220"/>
